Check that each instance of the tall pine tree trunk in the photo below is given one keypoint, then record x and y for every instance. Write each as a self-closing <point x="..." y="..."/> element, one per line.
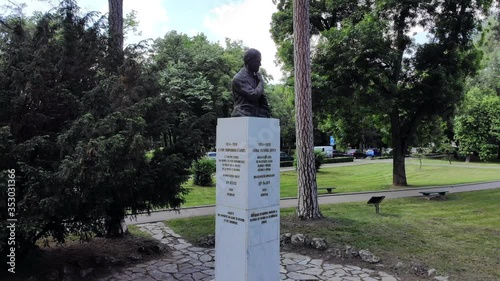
<point x="115" y="222"/>
<point x="308" y="207"/>
<point x="115" y="43"/>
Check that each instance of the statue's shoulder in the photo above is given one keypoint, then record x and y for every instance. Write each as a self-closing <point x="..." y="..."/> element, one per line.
<point x="241" y="75"/>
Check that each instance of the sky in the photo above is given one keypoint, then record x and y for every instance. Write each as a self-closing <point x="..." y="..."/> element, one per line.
<point x="245" y="20"/>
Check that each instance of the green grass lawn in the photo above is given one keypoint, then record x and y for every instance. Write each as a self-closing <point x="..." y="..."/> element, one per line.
<point x="459" y="237"/>
<point x="414" y="160"/>
<point x="135" y="231"/>
<point x="369" y="177"/>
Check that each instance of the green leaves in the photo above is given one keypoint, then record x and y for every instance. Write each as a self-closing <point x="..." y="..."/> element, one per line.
<point x="203" y="170"/>
<point x="477" y="125"/>
<point x="77" y="133"/>
<point x="195" y="78"/>
<point x="366" y="63"/>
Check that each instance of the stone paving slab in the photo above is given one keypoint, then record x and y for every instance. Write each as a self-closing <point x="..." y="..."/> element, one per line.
<point x="189" y="263"/>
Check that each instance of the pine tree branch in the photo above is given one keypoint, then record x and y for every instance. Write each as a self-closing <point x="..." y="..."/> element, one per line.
<point x="2" y="22"/>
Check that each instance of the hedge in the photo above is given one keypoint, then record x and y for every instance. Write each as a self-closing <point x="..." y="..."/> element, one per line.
<point x="338" y="160"/>
<point x="286" y="164"/>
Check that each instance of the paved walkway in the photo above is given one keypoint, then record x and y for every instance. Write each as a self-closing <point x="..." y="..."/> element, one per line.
<point x="323" y="199"/>
<point x="188" y="263"/>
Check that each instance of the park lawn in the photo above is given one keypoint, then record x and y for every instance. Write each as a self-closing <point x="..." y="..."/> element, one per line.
<point x="493" y="164"/>
<point x="459" y="237"/>
<point x="368" y="177"/>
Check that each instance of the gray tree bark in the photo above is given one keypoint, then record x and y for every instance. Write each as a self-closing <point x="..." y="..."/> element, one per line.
<point x="116" y="226"/>
<point x="399" y="144"/>
<point x="399" y="149"/>
<point x="115" y="19"/>
<point x="308" y="207"/>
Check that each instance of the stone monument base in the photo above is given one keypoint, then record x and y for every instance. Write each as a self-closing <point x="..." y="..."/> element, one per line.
<point x="247" y="244"/>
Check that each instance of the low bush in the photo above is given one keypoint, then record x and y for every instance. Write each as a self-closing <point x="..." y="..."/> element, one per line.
<point x="319" y="158"/>
<point x="380" y="157"/>
<point x="286" y="163"/>
<point x="338" y="160"/>
<point x="203" y="171"/>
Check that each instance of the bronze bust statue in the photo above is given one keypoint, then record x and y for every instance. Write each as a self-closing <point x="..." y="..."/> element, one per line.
<point x="248" y="89"/>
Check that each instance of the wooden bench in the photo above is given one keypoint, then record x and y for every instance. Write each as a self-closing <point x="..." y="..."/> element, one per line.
<point x="328" y="189"/>
<point x="429" y="193"/>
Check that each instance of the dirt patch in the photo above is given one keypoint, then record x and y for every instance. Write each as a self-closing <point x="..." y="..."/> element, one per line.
<point x="404" y="271"/>
<point x="79" y="261"/>
<point x="342" y="254"/>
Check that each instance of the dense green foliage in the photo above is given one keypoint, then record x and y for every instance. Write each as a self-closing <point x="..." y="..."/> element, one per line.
<point x="203" y="171"/>
<point x="77" y="126"/>
<point x="366" y="63"/>
<point x="198" y="74"/>
<point x="477" y="126"/>
<point x="281" y="100"/>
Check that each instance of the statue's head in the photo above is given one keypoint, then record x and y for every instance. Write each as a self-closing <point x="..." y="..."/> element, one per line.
<point x="252" y="60"/>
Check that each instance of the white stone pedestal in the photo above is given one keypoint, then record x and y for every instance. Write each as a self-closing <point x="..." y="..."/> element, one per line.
<point x="247" y="227"/>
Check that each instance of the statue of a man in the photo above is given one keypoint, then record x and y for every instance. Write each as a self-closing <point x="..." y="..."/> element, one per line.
<point x="248" y="89"/>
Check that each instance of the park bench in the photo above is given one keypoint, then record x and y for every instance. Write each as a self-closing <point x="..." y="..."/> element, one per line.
<point x="429" y="193"/>
<point x="328" y="189"/>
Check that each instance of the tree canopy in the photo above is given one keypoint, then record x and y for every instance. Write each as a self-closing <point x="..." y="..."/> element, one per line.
<point x="477" y="125"/>
<point x="78" y="123"/>
<point x="365" y="59"/>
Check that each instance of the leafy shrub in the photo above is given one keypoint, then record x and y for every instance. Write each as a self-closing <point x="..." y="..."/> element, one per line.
<point x="319" y="159"/>
<point x="149" y="155"/>
<point x="338" y="160"/>
<point x="203" y="170"/>
<point x="79" y="153"/>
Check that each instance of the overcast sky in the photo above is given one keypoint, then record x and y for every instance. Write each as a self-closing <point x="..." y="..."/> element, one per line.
<point x="246" y="20"/>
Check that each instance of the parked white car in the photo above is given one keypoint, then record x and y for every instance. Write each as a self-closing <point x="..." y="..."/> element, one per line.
<point x="327" y="150"/>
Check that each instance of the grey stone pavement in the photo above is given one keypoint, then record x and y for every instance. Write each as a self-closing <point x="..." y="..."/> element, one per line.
<point x="187" y="262"/>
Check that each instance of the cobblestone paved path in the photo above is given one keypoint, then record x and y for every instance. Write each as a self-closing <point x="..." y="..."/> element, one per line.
<point x="188" y="263"/>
